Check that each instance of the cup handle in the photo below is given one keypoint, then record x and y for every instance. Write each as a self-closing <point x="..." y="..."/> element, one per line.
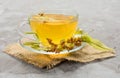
<point x="23" y="28"/>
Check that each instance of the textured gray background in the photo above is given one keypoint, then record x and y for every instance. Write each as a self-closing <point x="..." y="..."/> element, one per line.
<point x="100" y="17"/>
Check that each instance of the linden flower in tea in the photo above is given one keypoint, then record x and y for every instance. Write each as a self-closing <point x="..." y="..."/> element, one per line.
<point x="56" y="27"/>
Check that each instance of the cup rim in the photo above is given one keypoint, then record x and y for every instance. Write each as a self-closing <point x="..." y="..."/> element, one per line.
<point x="43" y="11"/>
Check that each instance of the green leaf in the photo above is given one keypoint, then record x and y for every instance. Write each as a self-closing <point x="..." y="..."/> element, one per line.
<point x="30" y="43"/>
<point x="30" y="33"/>
<point x="37" y="38"/>
<point x="94" y="42"/>
<point x="37" y="47"/>
<point x="29" y="20"/>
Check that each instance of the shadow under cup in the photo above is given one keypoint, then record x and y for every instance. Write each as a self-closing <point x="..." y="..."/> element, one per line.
<point x="55" y="25"/>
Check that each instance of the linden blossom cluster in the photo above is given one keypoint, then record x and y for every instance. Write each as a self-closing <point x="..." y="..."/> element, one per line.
<point x="64" y="45"/>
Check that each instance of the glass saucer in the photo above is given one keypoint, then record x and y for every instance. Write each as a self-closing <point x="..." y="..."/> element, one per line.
<point x="23" y="40"/>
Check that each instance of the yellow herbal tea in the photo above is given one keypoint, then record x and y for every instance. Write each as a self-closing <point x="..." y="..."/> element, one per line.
<point x="56" y="27"/>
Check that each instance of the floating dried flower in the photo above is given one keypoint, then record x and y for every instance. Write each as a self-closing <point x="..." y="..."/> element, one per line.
<point x="41" y="14"/>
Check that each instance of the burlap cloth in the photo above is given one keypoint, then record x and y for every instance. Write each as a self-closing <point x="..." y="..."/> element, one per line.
<point x="86" y="54"/>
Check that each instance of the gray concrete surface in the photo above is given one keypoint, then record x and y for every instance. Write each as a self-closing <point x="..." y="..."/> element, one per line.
<point x="102" y="17"/>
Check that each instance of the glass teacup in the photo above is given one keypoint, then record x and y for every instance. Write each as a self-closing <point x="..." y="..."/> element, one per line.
<point x="52" y="26"/>
<point x="55" y="25"/>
